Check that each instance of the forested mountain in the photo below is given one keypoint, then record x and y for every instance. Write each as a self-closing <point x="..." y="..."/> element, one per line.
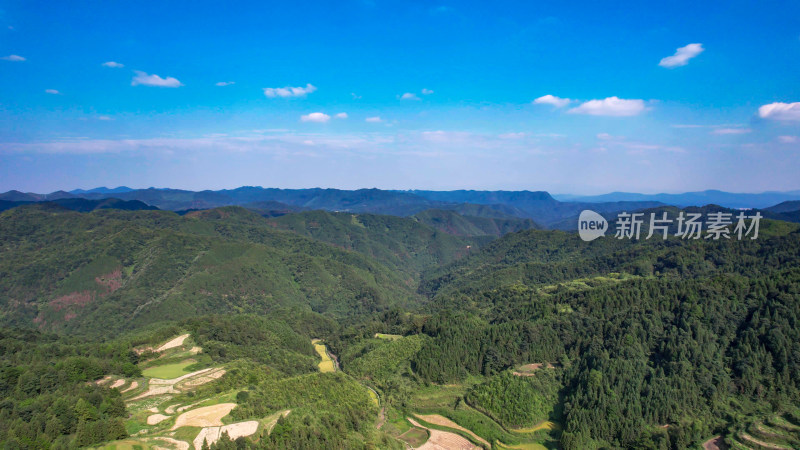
<point x="405" y="245"/>
<point x="112" y="269"/>
<point x="466" y="225"/>
<point x="537" y="206"/>
<point x="428" y="322"/>
<point x="84" y="205"/>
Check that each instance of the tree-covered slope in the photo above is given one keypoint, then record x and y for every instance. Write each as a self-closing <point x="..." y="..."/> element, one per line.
<point x="662" y="342"/>
<point x="111" y="270"/>
<point x="403" y="244"/>
<point x="464" y="225"/>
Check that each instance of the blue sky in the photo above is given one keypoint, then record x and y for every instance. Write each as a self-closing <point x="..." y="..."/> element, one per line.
<point x="581" y="97"/>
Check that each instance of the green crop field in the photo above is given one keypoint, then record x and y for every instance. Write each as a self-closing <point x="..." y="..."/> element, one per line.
<point x="168" y="371"/>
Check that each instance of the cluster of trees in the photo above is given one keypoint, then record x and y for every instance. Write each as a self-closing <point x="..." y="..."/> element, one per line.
<point x="329" y="410"/>
<point x="254" y="338"/>
<point x="47" y="397"/>
<point x="516" y="401"/>
<point x="708" y="332"/>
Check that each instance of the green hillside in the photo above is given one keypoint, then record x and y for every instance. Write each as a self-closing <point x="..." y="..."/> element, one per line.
<point x="465" y="225"/>
<point x="536" y="339"/>
<point x="402" y="244"/>
<point x="113" y="270"/>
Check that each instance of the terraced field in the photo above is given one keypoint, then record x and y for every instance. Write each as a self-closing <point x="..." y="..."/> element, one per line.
<point x="326" y="365"/>
<point x="161" y="418"/>
<point x="778" y="432"/>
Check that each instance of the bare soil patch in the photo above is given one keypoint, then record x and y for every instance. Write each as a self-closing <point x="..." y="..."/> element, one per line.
<point x="234" y="430"/>
<point x="436" y="419"/>
<point x="176" y="342"/>
<point x="715" y="443"/>
<point x="118" y="383"/>
<point x="443" y="440"/>
<point x="528" y="369"/>
<point x="155" y="419"/>
<point x="197" y="381"/>
<point x="207" y="416"/>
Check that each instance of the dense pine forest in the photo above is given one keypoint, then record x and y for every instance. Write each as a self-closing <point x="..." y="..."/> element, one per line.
<point x="533" y="339"/>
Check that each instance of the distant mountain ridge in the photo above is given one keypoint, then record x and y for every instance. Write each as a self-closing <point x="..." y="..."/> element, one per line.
<point x="700" y="198"/>
<point x="538" y="206"/>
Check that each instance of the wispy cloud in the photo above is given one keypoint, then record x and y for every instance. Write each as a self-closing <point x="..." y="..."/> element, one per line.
<point x="289" y="91"/>
<point x="355" y="96"/>
<point x="519" y="135"/>
<point x="788" y="139"/>
<point x="341" y="116"/>
<point x="317" y="117"/>
<point x="224" y="83"/>
<point x="104" y="118"/>
<point x="682" y="56"/>
<point x="611" y="106"/>
<point x="52" y="91"/>
<point x="427" y="91"/>
<point x="606" y="137"/>
<point x="780" y="111"/>
<point x="731" y="131"/>
<point x="12" y="58"/>
<point x="113" y="64"/>
<point x="409" y="96"/>
<point x="375" y="119"/>
<point x="143" y="79"/>
<point x="548" y="99"/>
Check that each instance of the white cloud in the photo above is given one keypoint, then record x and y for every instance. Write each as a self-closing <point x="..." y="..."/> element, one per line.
<point x="780" y="111"/>
<point x="682" y="56"/>
<point x="225" y="83"/>
<point x="611" y="106"/>
<point x="519" y="135"/>
<point x="427" y="91"/>
<point x="355" y="97"/>
<point x="104" y="118"/>
<point x="289" y="91"/>
<point x="315" y="117"/>
<point x="13" y="58"/>
<point x="144" y="79"/>
<point x="375" y="119"/>
<point x="731" y="131"/>
<point x="113" y="64"/>
<point x="341" y="116"/>
<point x="548" y="99"/>
<point x="604" y="136"/>
<point x="409" y="96"/>
<point x="52" y="91"/>
<point x="788" y="139"/>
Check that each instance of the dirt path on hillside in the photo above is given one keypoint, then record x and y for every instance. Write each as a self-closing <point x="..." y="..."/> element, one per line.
<point x="715" y="443"/>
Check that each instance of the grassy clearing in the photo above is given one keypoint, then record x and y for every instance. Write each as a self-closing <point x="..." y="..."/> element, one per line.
<point x="374" y="397"/>
<point x="415" y="437"/>
<point x="168" y="371"/>
<point x="326" y="365"/>
<point x="438" y="396"/>
<point x="389" y="337"/>
<point x="546" y="425"/>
